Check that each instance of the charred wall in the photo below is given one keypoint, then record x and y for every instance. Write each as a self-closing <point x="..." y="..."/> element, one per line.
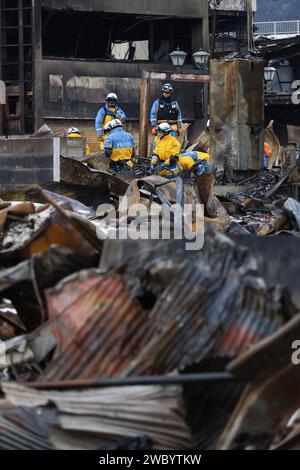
<point x="188" y="8"/>
<point x="33" y="159"/>
<point x="75" y="89"/>
<point x="228" y="32"/>
<point x="78" y="69"/>
<point x="85" y="31"/>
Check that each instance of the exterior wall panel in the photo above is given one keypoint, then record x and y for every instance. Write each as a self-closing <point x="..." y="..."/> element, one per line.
<point x="186" y="8"/>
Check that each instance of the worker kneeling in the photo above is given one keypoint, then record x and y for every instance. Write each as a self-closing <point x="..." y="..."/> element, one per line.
<point x="118" y="147"/>
<point x="73" y="132"/>
<point x="166" y="153"/>
<point x="196" y="162"/>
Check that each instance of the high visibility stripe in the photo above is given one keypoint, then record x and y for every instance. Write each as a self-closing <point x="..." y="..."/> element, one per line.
<point x="121" y="154"/>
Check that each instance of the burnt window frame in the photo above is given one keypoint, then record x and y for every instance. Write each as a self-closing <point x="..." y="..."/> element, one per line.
<point x="151" y="21"/>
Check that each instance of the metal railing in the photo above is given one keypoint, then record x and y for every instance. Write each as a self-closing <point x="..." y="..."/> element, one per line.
<point x="278" y="28"/>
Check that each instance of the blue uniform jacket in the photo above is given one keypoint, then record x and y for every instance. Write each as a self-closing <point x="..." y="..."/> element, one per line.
<point x="120" y="143"/>
<point x="153" y="113"/>
<point x="104" y="112"/>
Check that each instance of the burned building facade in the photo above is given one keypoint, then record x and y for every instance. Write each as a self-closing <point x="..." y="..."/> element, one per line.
<point x="59" y="58"/>
<point x="230" y="26"/>
<point x="281" y="96"/>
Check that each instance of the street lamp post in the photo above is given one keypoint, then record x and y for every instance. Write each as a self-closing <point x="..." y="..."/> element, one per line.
<point x="178" y="58"/>
<point x="269" y="75"/>
<point x="201" y="59"/>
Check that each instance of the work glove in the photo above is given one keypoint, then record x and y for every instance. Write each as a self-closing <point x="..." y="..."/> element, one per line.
<point x="100" y="138"/>
<point x="202" y="168"/>
<point x="172" y="160"/>
<point x="154" y="131"/>
<point x="154" y="160"/>
<point x="129" y="164"/>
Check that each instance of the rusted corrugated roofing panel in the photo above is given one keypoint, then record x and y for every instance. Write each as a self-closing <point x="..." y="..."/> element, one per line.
<point x="214" y="306"/>
<point x="113" y="414"/>
<point x="97" y="324"/>
<point x="25" y="428"/>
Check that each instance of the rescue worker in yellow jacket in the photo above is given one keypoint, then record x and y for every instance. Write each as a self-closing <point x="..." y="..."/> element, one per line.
<point x="118" y="146"/>
<point x="106" y="114"/>
<point x="196" y="162"/>
<point x="73" y="132"/>
<point x="165" y="153"/>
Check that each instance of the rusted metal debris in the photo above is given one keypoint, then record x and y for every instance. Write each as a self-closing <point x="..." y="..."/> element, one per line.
<point x="78" y="173"/>
<point x="153" y="411"/>
<point x="237" y="120"/>
<point x="103" y="330"/>
<point x="24" y="283"/>
<point x="25" y="428"/>
<point x="88" y="313"/>
<point x="272" y="397"/>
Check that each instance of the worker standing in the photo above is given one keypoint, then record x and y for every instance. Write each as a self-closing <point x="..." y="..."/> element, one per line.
<point x="118" y="146"/>
<point x="267" y="155"/>
<point x="166" y="110"/>
<point x="106" y="114"/>
<point x="166" y="153"/>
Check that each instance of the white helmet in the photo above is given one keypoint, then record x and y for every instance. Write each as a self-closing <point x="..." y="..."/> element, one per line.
<point x="73" y="130"/>
<point x="112" y="125"/>
<point x="167" y="88"/>
<point x="112" y="97"/>
<point x="165" y="128"/>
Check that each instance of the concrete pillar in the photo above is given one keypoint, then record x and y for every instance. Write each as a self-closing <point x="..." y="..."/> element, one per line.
<point x="237" y="115"/>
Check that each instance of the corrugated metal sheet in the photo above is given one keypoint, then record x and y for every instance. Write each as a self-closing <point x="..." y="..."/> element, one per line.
<point x="97" y="324"/>
<point x="212" y="305"/>
<point x="112" y="414"/>
<point x="24" y="428"/>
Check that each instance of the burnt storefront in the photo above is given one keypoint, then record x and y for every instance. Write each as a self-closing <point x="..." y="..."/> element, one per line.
<point x="60" y="58"/>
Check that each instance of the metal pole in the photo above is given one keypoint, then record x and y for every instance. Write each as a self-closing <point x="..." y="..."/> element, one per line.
<point x="1" y="104"/>
<point x="179" y="192"/>
<point x="211" y="377"/>
<point x="144" y="111"/>
<point x="250" y="25"/>
<point x="21" y="67"/>
<point x="56" y="159"/>
<point x="37" y="63"/>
